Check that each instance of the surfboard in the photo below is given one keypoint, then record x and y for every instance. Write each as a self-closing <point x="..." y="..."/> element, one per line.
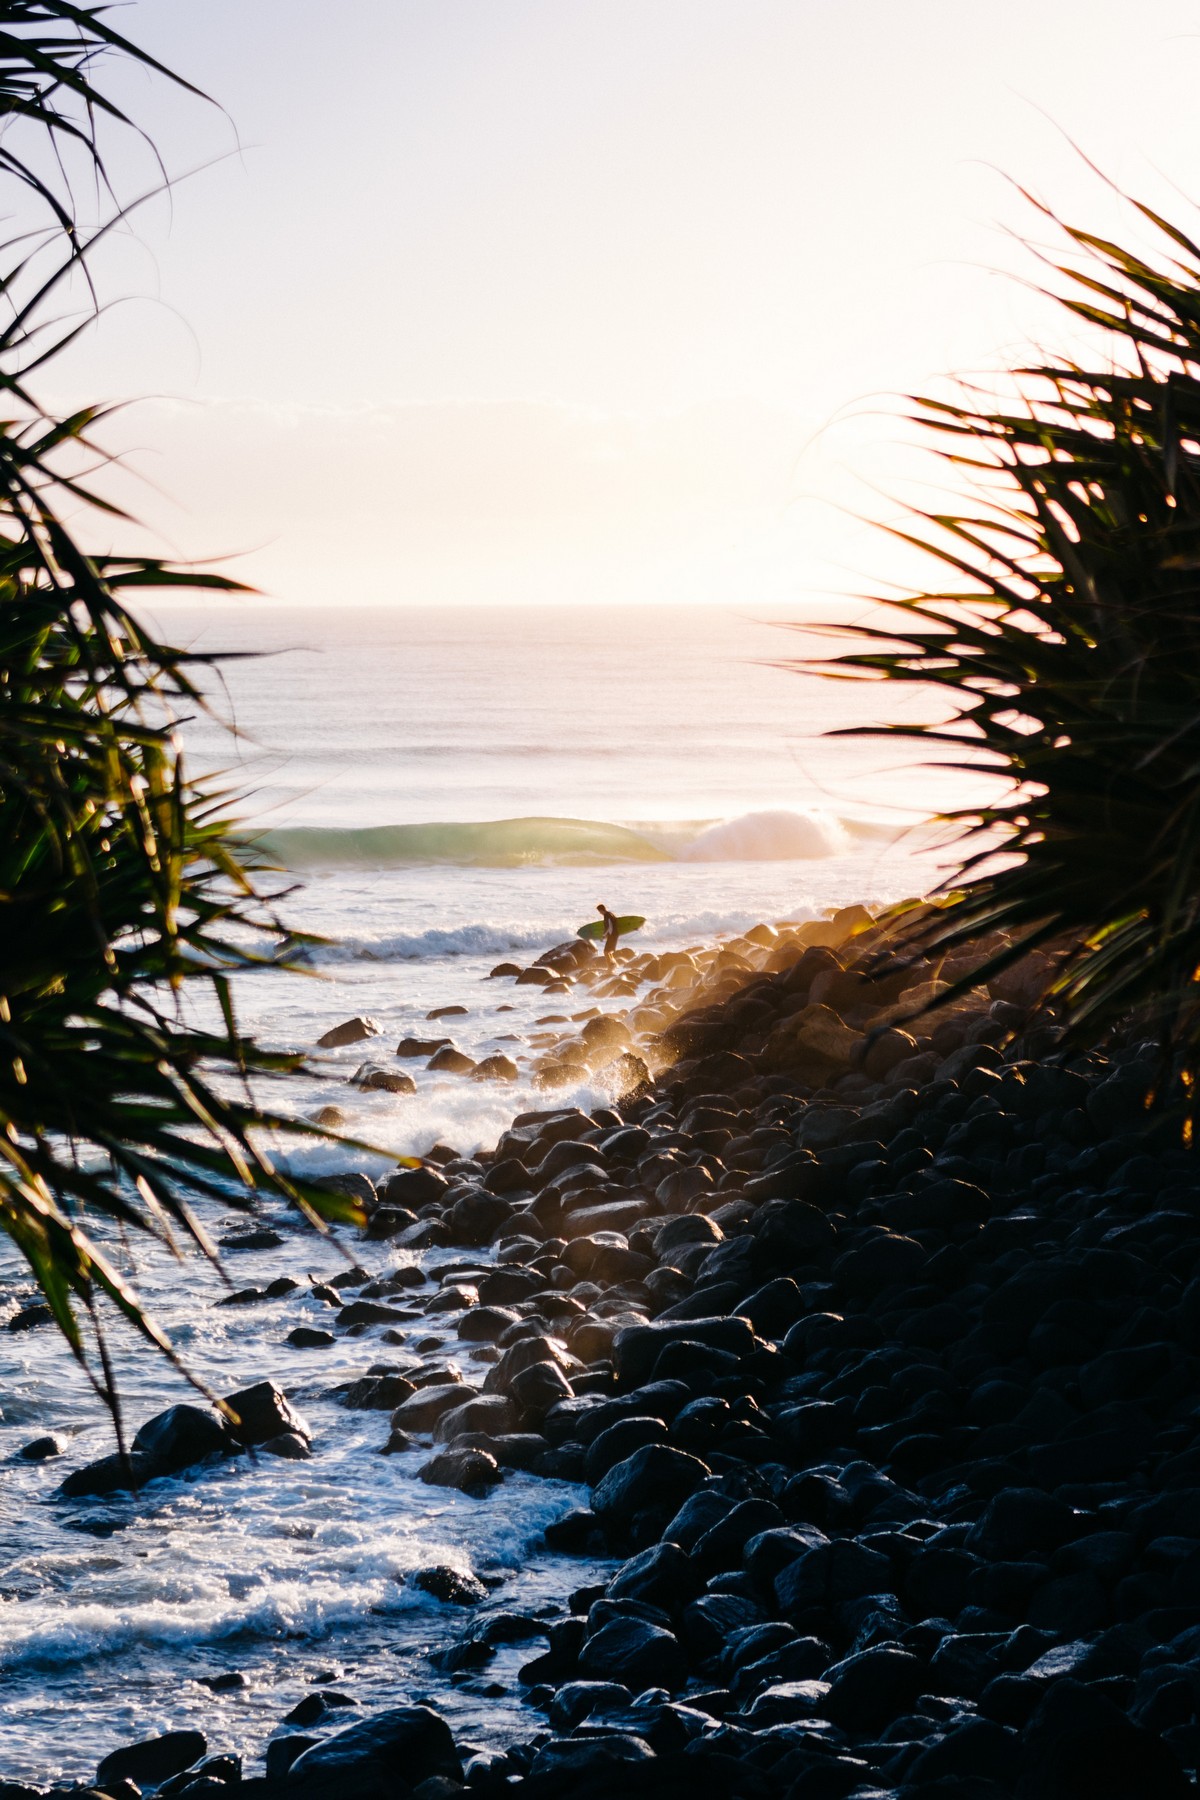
<point x="595" y="927"/>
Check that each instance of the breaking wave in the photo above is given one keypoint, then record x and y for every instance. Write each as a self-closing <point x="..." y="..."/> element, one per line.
<point x="775" y="836"/>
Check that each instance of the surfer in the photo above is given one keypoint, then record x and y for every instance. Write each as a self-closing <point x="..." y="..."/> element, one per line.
<point x="612" y="933"/>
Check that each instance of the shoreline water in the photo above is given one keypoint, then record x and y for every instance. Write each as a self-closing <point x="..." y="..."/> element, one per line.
<point x="873" y="1351"/>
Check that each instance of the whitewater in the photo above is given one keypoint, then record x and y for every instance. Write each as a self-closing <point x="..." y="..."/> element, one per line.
<point x="445" y="791"/>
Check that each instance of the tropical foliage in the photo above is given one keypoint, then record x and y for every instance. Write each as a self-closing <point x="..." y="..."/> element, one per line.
<point x="1066" y="646"/>
<point x="126" y="900"/>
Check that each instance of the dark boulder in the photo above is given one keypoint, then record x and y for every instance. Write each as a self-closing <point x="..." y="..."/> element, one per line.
<point x="179" y="1437"/>
<point x="635" y="1653"/>
<point x="652" y="1479"/>
<point x="378" y="1759"/>
<point x="636" y="1349"/>
<point x="872" y="1687"/>
<point x="154" y="1760"/>
<point x="264" y="1412"/>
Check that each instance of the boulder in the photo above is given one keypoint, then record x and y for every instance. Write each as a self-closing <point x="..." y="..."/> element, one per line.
<point x="180" y="1437"/>
<point x="450" y="1061"/>
<point x="635" y="1653"/>
<point x="350" y="1031"/>
<point x="377" y="1759"/>
<point x="655" y="1478"/>
<point x="153" y="1760"/>
<point x="263" y="1412"/>
<point x="471" y="1471"/>
<point x="637" y="1348"/>
<point x="422" y="1410"/>
<point x="495" y="1068"/>
<point x="374" y="1078"/>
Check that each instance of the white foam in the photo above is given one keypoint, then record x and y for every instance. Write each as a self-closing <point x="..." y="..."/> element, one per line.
<point x="778" y="835"/>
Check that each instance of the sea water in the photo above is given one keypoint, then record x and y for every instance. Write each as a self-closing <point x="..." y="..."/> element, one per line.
<point x="447" y="789"/>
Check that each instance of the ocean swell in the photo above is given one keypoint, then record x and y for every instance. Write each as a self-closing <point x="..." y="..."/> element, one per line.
<point x="774" y="836"/>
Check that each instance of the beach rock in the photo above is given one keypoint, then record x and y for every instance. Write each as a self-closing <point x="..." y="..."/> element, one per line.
<point x="636" y="1349"/>
<point x="30" y="1315"/>
<point x="373" y="1078"/>
<point x="350" y="1031"/>
<point x="153" y="1760"/>
<point x="472" y="1471"/>
<point x="264" y="1412"/>
<point x="289" y="1445"/>
<point x="636" y="1654"/>
<point x="180" y="1437"/>
<point x="495" y="1068"/>
<point x="576" y="1765"/>
<point x="262" y="1238"/>
<point x="378" y="1758"/>
<point x="41" y="1449"/>
<point x="310" y="1337"/>
<point x="656" y="1478"/>
<point x="450" y="1061"/>
<point x="489" y="1414"/>
<point x="414" y="1046"/>
<point x="422" y="1410"/>
<point x="450" y="1585"/>
<point x="413" y="1188"/>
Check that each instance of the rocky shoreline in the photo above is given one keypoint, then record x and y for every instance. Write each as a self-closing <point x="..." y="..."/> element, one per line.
<point x="876" y="1346"/>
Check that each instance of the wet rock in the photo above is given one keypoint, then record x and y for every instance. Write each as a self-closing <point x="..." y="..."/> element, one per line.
<point x="262" y="1238"/>
<point x="377" y="1393"/>
<point x="375" y="1079"/>
<point x="472" y="1471"/>
<point x="282" y="1752"/>
<point x="637" y="1348"/>
<point x="450" y="1585"/>
<point x="422" y="1410"/>
<point x="310" y="1337"/>
<point x="369" y="1312"/>
<point x="413" y="1188"/>
<point x="41" y="1449"/>
<point x="180" y="1437"/>
<point x="288" y="1445"/>
<point x="871" y="1688"/>
<point x="350" y="1031"/>
<point x="635" y="1653"/>
<point x="316" y="1707"/>
<point x="655" y="1478"/>
<point x="450" y="1061"/>
<point x="495" y="1068"/>
<point x="377" y="1758"/>
<point x="489" y="1414"/>
<point x="153" y="1760"/>
<point x="30" y="1316"/>
<point x="264" y="1412"/>
<point x="414" y="1046"/>
<point x="570" y="1764"/>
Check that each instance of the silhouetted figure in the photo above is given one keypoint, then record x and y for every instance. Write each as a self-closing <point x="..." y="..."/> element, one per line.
<point x="612" y="933"/>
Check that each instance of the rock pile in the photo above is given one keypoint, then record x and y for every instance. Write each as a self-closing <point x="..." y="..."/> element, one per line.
<point x="875" y="1342"/>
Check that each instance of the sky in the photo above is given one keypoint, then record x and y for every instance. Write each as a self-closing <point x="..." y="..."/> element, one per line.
<point x="484" y="301"/>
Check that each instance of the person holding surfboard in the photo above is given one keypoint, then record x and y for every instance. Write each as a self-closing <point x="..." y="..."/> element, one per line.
<point x="611" y="928"/>
<point x="612" y="933"/>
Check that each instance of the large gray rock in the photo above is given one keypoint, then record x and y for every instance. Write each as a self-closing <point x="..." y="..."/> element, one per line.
<point x="382" y="1758"/>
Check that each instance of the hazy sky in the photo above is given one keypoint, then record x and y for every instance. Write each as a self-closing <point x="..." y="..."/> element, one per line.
<point x="586" y="299"/>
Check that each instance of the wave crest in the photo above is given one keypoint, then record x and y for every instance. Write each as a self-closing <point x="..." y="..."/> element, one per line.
<point x="776" y="836"/>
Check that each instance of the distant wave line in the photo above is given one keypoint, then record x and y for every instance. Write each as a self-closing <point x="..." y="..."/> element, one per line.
<point x="778" y="835"/>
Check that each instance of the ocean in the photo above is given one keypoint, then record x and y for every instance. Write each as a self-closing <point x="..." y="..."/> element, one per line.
<point x="446" y="790"/>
